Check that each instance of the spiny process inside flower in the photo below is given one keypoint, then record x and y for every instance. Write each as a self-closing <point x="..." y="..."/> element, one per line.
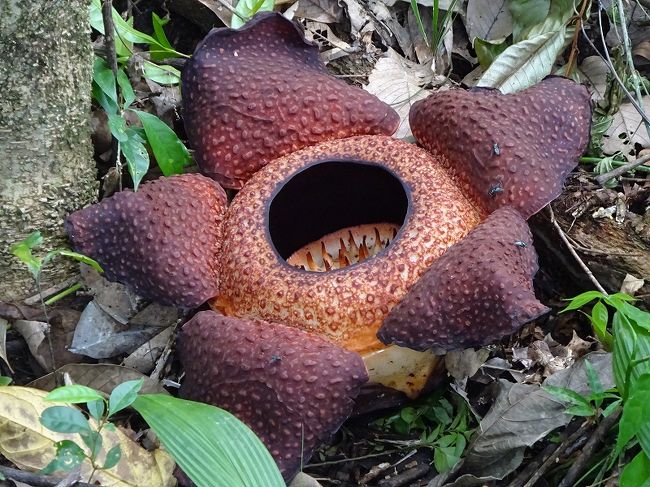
<point x="344" y="247"/>
<point x="340" y="236"/>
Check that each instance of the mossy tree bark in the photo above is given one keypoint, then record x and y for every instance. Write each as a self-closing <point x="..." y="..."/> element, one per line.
<point x="46" y="165"/>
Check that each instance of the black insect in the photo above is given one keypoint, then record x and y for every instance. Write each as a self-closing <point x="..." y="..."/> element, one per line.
<point x="495" y="190"/>
<point x="276" y="358"/>
<point x="496" y="149"/>
<point x="521" y="244"/>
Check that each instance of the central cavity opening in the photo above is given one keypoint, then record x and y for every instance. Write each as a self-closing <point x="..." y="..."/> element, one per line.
<point x="336" y="213"/>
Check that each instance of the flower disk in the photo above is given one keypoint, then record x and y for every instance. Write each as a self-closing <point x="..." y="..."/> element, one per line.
<point x="254" y="94"/>
<point x="162" y="240"/>
<point x="507" y="150"/>
<point x="293" y="389"/>
<point x="479" y="291"/>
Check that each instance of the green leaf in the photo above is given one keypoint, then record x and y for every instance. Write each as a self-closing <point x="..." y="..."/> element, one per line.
<point x="581" y="410"/>
<point x="212" y="447"/>
<point x="526" y="14"/>
<point x="5" y="381"/>
<point x="93" y="441"/>
<point x="74" y="394"/>
<point x="444" y="458"/>
<point x="118" y="127"/>
<point x="162" y="73"/>
<point x="488" y="51"/>
<point x="96" y="409"/>
<point x="63" y="419"/>
<point x="637" y="472"/>
<point x="580" y="300"/>
<point x="113" y="457"/>
<point x="245" y="9"/>
<point x="136" y="155"/>
<point x="525" y="63"/>
<point x="23" y="250"/>
<point x="68" y="456"/>
<point x="595" y="385"/>
<point x="599" y="319"/>
<point x="171" y="154"/>
<point x="103" y="77"/>
<point x="612" y="407"/>
<point x="126" y="88"/>
<point x="161" y="37"/>
<point x="123" y="395"/>
<point x="636" y="413"/>
<point x="416" y="12"/>
<point x="80" y="258"/>
<point x="567" y="395"/>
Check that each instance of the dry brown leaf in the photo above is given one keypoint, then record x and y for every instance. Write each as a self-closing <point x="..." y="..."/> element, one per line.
<point x="627" y="129"/>
<point x="488" y="19"/>
<point x="327" y="11"/>
<point x="594" y="71"/>
<point x="399" y="82"/>
<point x="30" y="446"/>
<point x="102" y="377"/>
<point x="144" y="358"/>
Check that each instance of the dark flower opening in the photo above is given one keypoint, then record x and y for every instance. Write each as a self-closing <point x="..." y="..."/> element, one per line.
<point x="336" y="213"/>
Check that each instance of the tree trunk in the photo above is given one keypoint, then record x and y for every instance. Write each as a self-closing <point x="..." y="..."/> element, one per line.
<point x="46" y="165"/>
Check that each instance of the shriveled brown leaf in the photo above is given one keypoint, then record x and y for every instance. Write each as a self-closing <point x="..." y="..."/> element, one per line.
<point x="327" y="11"/>
<point x="400" y="83"/>
<point x="627" y="129"/>
<point x="103" y="377"/>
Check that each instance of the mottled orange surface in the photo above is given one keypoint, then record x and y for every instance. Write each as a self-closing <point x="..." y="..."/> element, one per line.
<point x="345" y="305"/>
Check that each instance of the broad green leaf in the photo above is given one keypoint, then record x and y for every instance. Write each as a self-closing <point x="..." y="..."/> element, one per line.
<point x="637" y="472"/>
<point x="74" y="394"/>
<point x="212" y="446"/>
<point x="63" y="419"/>
<point x="599" y="319"/>
<point x="103" y="76"/>
<point x="444" y="458"/>
<point x="567" y="395"/>
<point x="113" y="457"/>
<point x="124" y="395"/>
<point x="612" y="407"/>
<point x="5" y="381"/>
<point x="96" y="409"/>
<point x="162" y="73"/>
<point x="136" y="155"/>
<point x="582" y="299"/>
<point x="488" y="51"/>
<point x="636" y="414"/>
<point x="126" y="88"/>
<point x="171" y="154"/>
<point x="109" y="106"/>
<point x="68" y="456"/>
<point x="245" y="9"/>
<point x="525" y="63"/>
<point x="161" y="37"/>
<point x="595" y="385"/>
<point x="526" y="14"/>
<point x="93" y="441"/>
<point x="559" y="13"/>
<point x="118" y="127"/>
<point x="80" y="258"/>
<point x="23" y="250"/>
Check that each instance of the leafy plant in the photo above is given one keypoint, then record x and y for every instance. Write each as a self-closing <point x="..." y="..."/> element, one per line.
<point x="629" y="340"/>
<point x="114" y="93"/>
<point x="440" y="24"/>
<point x="441" y="427"/>
<point x="64" y="419"/>
<point x="245" y="10"/>
<point x="212" y="446"/>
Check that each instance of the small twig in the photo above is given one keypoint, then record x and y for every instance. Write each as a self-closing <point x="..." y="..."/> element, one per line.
<point x="574" y="45"/>
<point x="590" y="449"/>
<point x="619" y="171"/>
<point x="354" y="459"/>
<point x="574" y="253"/>
<point x="48" y="334"/>
<point x="34" y="479"/>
